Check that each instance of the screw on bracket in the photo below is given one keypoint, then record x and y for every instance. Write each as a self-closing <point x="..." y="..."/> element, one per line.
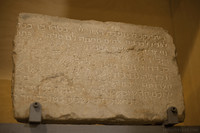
<point x="35" y="113"/>
<point x="172" y="116"/>
<point x="36" y="104"/>
<point x="174" y="110"/>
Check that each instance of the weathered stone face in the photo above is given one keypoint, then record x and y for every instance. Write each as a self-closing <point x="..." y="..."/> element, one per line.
<point x="94" y="72"/>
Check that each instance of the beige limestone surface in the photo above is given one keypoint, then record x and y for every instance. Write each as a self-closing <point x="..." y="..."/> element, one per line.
<point x="94" y="72"/>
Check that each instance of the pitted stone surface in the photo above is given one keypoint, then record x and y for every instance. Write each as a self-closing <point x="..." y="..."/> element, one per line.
<point x="94" y="72"/>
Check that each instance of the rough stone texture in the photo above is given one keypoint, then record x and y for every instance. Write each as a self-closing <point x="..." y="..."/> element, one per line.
<point x="94" y="72"/>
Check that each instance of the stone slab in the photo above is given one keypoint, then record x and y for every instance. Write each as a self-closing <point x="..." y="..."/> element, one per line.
<point x="94" y="72"/>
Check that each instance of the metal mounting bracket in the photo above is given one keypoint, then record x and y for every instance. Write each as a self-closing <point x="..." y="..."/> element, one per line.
<point x="35" y="117"/>
<point x="172" y="117"/>
<point x="35" y="113"/>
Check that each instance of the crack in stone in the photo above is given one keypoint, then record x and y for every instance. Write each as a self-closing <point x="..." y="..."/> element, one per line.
<point x="62" y="77"/>
<point x="52" y="77"/>
<point x="124" y="50"/>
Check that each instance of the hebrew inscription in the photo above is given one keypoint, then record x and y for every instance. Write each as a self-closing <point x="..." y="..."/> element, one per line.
<point x="94" y="72"/>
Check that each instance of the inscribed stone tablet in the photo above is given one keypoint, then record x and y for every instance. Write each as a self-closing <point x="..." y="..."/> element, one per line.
<point x="94" y="72"/>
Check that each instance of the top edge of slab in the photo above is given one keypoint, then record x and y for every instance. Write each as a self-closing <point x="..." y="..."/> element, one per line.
<point x="25" y="16"/>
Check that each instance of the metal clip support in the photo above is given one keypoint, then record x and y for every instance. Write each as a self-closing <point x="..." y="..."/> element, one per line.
<point x="172" y="117"/>
<point x="35" y="113"/>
